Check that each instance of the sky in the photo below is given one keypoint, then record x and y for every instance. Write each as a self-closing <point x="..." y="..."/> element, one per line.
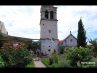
<point x="23" y="21"/>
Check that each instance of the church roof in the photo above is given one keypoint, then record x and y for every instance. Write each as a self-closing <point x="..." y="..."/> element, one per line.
<point x="69" y="36"/>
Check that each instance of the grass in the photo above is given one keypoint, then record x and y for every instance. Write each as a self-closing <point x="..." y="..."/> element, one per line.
<point x="45" y="61"/>
<point x="30" y="65"/>
<point x="62" y="62"/>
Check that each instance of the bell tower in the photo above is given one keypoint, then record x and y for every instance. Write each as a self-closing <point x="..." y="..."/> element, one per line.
<point x="48" y="29"/>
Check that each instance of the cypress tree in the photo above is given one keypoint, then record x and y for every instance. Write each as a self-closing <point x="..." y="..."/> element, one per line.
<point x="81" y="37"/>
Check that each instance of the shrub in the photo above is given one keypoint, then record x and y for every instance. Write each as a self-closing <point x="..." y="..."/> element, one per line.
<point x="45" y="61"/>
<point x="78" y="54"/>
<point x="61" y="63"/>
<point x="64" y="63"/>
<point x="94" y="60"/>
<point x="2" y="64"/>
<point x="30" y="65"/>
<point x="55" y="58"/>
<point x="8" y="56"/>
<point x="24" y="56"/>
<point x="61" y="49"/>
<point x="16" y="58"/>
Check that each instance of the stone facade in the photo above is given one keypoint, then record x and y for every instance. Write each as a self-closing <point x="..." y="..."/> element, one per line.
<point x="3" y="29"/>
<point x="70" y="41"/>
<point x="48" y="29"/>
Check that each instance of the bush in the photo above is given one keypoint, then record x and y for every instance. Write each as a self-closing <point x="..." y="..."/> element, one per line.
<point x="16" y="58"/>
<point x="94" y="60"/>
<point x="61" y="62"/>
<point x="24" y="56"/>
<point x="78" y="54"/>
<point x="30" y="65"/>
<point x="2" y="64"/>
<point x="8" y="56"/>
<point x="55" y="58"/>
<point x="45" y="61"/>
<point x="64" y="63"/>
<point x="61" y="49"/>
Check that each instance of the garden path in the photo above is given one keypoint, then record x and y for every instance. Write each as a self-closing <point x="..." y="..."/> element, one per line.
<point x="38" y="63"/>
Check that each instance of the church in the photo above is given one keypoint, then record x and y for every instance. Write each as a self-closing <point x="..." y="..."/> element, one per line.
<point x="48" y="29"/>
<point x="48" y="32"/>
<point x="70" y="41"/>
<point x="3" y="29"/>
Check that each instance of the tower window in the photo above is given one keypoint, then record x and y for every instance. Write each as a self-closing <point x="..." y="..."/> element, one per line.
<point x="49" y="46"/>
<point x="43" y="24"/>
<point x="51" y="14"/>
<point x="49" y="31"/>
<point x="71" y="40"/>
<point x="46" y="14"/>
<point x="49" y="50"/>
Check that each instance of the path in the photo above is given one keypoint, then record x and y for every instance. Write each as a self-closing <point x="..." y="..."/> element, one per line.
<point x="39" y="64"/>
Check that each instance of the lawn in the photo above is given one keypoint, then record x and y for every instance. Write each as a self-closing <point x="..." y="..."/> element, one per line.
<point x="30" y="65"/>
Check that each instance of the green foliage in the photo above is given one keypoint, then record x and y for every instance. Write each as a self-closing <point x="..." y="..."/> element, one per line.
<point x="33" y="46"/>
<point x="94" y="60"/>
<point x="45" y="61"/>
<point x="64" y="63"/>
<point x="94" y="44"/>
<point x="78" y="54"/>
<point x="2" y="64"/>
<point x="30" y="65"/>
<point x="61" y="49"/>
<point x="7" y="55"/>
<point x="16" y="58"/>
<point x="81" y="37"/>
<point x="55" y="58"/>
<point x="60" y="62"/>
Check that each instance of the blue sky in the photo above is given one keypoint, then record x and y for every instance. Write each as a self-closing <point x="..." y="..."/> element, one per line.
<point x="23" y="21"/>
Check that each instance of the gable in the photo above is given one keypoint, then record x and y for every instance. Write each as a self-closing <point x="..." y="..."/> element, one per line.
<point x="70" y="37"/>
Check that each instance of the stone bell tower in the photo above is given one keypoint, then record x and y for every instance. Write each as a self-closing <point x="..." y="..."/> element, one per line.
<point x="48" y="29"/>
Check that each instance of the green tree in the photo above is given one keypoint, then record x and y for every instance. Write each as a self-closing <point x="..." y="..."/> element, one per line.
<point x="81" y="37"/>
<point x="76" y="55"/>
<point x="94" y="44"/>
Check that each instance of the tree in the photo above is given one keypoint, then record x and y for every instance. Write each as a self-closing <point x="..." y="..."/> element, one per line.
<point x="94" y="44"/>
<point x="76" y="55"/>
<point x="81" y="37"/>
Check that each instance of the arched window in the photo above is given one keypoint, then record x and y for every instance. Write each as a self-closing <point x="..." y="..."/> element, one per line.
<point x="46" y="14"/>
<point x="51" y="14"/>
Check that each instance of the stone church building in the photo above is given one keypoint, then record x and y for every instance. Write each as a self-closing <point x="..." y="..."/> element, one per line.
<point x="48" y="32"/>
<point x="48" y="29"/>
<point x="69" y="41"/>
<point x="3" y="29"/>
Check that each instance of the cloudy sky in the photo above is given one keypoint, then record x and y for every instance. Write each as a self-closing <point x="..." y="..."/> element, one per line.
<point x="23" y="21"/>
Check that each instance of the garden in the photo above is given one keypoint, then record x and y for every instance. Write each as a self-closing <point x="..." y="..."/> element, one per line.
<point x="19" y="56"/>
<point x="72" y="58"/>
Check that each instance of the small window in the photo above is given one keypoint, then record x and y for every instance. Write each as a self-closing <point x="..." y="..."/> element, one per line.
<point x="49" y="31"/>
<point x="46" y="14"/>
<point x="43" y="24"/>
<point x="65" y="41"/>
<point x="71" y="40"/>
<point x="49" y="46"/>
<point x="51" y="14"/>
<point x="49" y="50"/>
